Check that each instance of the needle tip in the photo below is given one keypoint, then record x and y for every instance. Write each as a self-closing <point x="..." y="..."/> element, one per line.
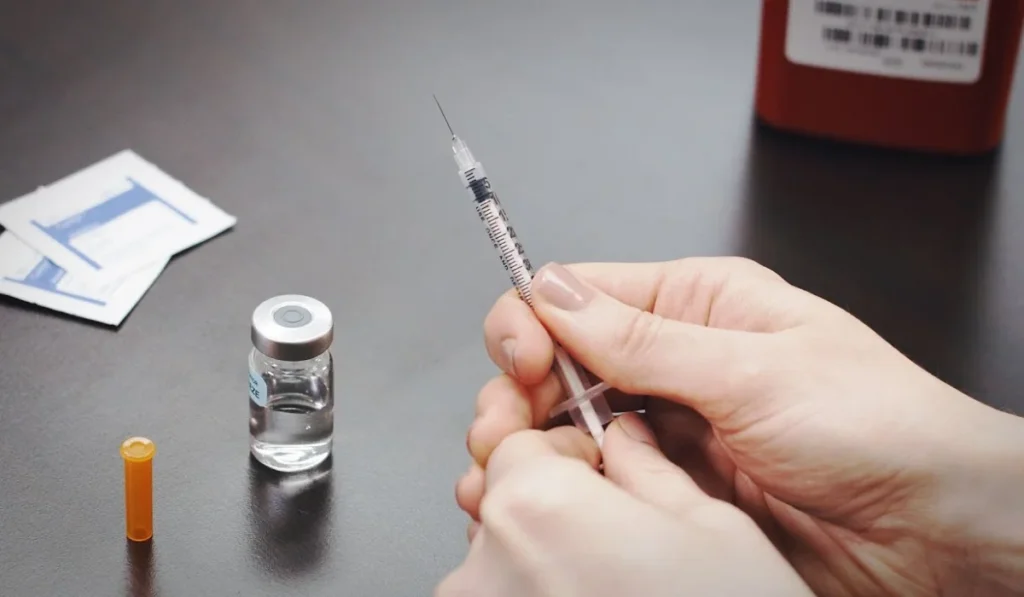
<point x="443" y="116"/>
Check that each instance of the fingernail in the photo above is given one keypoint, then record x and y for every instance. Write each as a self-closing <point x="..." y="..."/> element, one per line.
<point x="557" y="286"/>
<point x="508" y="356"/>
<point x="636" y="429"/>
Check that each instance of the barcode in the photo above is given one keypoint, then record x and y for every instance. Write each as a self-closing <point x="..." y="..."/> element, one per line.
<point x="907" y="44"/>
<point x="960" y="48"/>
<point x="845" y="36"/>
<point x="836" y="8"/>
<point x="927" y="20"/>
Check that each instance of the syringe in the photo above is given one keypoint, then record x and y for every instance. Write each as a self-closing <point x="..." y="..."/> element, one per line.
<point x="586" y="404"/>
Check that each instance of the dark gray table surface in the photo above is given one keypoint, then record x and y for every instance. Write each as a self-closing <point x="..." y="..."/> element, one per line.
<point x="614" y="131"/>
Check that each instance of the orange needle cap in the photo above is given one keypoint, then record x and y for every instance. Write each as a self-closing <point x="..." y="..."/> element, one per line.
<point x="137" y="453"/>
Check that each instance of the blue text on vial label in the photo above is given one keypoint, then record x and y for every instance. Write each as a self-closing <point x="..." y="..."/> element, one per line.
<point x="257" y="388"/>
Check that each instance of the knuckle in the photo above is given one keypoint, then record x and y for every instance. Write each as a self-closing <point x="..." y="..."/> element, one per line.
<point x="749" y="374"/>
<point x="533" y="497"/>
<point x="466" y="496"/>
<point x="499" y="315"/>
<point x="486" y="396"/>
<point x="654" y="469"/>
<point x="646" y="472"/>
<point x="722" y="518"/>
<point x="744" y="378"/>
<point x="715" y="267"/>
<point x="516" y="443"/>
<point x="638" y="336"/>
<point x="745" y="264"/>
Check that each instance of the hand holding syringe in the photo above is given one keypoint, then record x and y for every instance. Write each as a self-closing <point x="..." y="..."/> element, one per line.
<point x="586" y="403"/>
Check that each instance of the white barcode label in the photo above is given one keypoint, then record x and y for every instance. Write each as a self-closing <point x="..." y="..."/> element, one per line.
<point x="928" y="40"/>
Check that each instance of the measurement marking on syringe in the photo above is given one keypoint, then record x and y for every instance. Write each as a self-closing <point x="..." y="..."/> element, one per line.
<point x="510" y="251"/>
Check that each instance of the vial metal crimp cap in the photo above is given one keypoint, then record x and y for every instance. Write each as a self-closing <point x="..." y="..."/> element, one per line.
<point x="292" y="327"/>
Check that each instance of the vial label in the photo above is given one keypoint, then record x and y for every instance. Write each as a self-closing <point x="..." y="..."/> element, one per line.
<point x="926" y="40"/>
<point x="257" y="388"/>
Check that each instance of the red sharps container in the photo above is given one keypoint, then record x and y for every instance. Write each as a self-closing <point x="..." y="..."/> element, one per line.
<point x="927" y="75"/>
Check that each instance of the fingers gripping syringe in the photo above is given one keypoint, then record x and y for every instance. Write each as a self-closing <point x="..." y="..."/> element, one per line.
<point x="586" y="405"/>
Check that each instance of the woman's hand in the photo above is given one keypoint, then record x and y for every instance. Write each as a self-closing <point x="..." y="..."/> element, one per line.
<point x="551" y="525"/>
<point x="870" y="475"/>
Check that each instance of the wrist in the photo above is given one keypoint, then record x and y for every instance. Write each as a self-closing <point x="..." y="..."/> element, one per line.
<point x="979" y="506"/>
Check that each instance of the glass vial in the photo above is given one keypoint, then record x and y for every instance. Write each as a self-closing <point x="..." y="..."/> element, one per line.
<point x="291" y="383"/>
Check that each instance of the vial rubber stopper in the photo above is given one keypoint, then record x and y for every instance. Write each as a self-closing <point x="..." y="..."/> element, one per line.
<point x="292" y="327"/>
<point x="137" y="453"/>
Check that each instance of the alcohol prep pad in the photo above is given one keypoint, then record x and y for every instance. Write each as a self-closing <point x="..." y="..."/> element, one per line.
<point x="27" y="275"/>
<point x="112" y="218"/>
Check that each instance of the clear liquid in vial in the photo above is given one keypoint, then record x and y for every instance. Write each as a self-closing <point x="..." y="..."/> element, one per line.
<point x="293" y="432"/>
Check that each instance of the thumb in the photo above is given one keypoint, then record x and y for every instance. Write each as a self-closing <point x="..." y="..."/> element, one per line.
<point x="711" y="370"/>
<point x="633" y="461"/>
